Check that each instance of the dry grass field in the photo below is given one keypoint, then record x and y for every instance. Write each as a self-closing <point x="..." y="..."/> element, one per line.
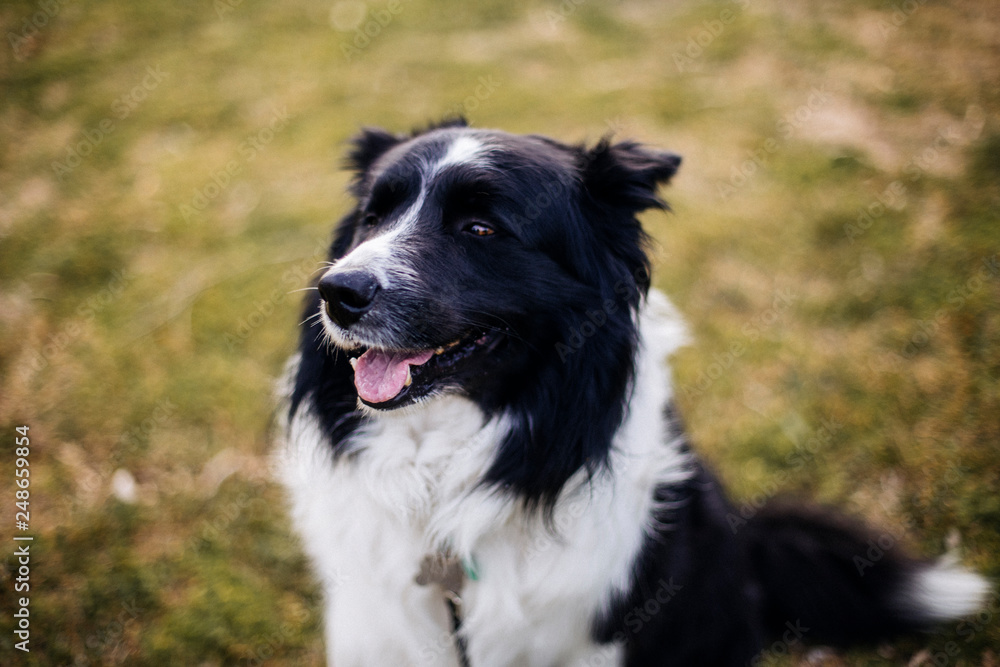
<point x="169" y="172"/>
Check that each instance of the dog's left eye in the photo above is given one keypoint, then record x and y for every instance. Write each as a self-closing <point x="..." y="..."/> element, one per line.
<point x="370" y="220"/>
<point x="478" y="229"/>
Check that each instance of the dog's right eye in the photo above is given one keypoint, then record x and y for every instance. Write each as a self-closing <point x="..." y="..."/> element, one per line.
<point x="479" y="229"/>
<point x="369" y="220"/>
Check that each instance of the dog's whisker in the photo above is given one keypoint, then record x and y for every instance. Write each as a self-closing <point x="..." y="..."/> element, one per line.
<point x="311" y="319"/>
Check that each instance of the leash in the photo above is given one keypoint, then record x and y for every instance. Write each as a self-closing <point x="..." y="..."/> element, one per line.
<point x="449" y="572"/>
<point x="456" y="625"/>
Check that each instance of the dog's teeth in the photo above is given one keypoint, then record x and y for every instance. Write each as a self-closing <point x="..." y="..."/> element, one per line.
<point x="442" y="349"/>
<point x="354" y="362"/>
<point x="409" y="378"/>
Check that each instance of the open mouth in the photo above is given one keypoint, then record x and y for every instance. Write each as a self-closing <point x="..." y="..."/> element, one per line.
<point x="391" y="378"/>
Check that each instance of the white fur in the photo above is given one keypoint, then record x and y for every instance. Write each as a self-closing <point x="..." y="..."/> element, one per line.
<point x="409" y="488"/>
<point x="946" y="591"/>
<point x="463" y="149"/>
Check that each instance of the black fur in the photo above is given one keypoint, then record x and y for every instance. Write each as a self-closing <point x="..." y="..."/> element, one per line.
<point x="787" y="577"/>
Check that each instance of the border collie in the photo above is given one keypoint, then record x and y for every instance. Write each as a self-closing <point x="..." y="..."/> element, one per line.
<point x="481" y="450"/>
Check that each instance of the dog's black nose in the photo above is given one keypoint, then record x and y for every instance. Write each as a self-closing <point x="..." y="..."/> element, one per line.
<point x="348" y="295"/>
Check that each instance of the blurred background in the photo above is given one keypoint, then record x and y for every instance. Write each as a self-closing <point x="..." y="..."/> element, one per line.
<point x="169" y="174"/>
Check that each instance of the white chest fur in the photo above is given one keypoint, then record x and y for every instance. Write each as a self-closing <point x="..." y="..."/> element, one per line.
<point x="410" y="488"/>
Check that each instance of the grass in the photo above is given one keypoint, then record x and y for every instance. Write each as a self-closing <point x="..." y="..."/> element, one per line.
<point x="836" y="215"/>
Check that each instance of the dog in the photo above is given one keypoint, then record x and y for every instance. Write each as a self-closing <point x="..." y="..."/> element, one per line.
<point x="481" y="451"/>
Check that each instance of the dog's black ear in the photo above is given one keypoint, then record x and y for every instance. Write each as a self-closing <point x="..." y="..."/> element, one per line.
<point x="627" y="174"/>
<point x="369" y="145"/>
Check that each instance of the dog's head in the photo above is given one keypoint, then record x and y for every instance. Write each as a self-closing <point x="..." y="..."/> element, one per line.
<point x="470" y="251"/>
<point x="506" y="268"/>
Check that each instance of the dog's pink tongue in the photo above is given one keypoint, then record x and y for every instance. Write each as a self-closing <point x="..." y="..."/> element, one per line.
<point x="380" y="375"/>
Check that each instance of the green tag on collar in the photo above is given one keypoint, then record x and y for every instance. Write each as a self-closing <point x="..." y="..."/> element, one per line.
<point x="471" y="569"/>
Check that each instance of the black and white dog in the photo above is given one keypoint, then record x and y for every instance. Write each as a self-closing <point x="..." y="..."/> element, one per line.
<point x="479" y="421"/>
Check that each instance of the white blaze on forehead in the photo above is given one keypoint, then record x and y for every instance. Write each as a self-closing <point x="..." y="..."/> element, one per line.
<point x="462" y="149"/>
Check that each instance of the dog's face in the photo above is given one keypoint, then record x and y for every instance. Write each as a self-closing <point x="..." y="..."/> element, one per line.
<point x="470" y="253"/>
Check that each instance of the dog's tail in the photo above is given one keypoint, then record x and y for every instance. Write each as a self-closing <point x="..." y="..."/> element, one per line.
<point x="824" y="579"/>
